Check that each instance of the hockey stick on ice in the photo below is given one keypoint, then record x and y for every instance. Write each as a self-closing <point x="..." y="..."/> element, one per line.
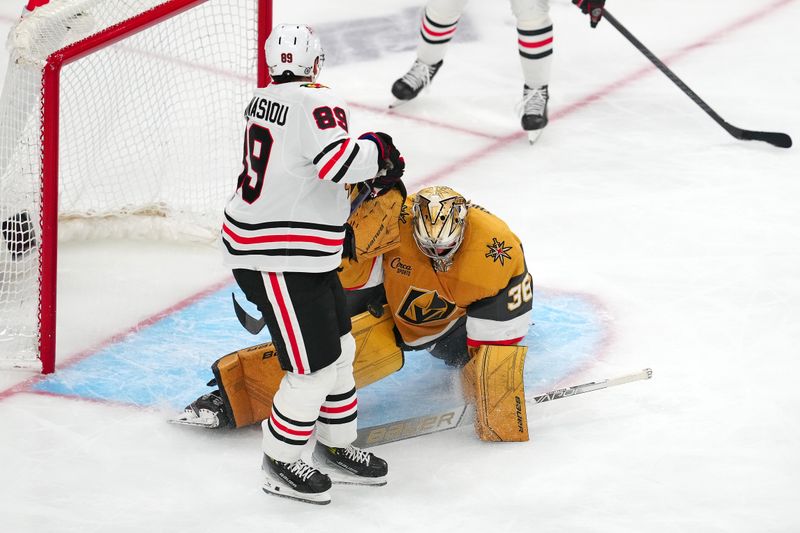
<point x="453" y="418"/>
<point x="776" y="139"/>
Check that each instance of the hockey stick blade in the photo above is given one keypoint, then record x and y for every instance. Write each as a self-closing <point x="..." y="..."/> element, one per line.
<point x="455" y="417"/>
<point x="780" y="140"/>
<point x="251" y="324"/>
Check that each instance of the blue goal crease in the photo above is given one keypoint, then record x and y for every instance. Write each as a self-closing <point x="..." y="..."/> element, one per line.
<point x="168" y="363"/>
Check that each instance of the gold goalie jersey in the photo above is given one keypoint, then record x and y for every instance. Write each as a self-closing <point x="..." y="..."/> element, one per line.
<point x="488" y="282"/>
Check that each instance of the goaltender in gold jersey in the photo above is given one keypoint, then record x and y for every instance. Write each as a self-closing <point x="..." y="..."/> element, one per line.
<point x="456" y="277"/>
<point x="453" y="278"/>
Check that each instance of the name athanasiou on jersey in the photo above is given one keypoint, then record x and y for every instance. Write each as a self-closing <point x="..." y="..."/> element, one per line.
<point x="290" y="205"/>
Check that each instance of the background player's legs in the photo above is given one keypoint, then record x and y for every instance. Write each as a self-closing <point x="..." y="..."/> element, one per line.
<point x="534" y="39"/>
<point x="535" y="45"/>
<point x="437" y="27"/>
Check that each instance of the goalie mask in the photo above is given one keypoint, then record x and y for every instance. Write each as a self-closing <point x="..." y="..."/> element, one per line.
<point x="293" y="49"/>
<point x="438" y="218"/>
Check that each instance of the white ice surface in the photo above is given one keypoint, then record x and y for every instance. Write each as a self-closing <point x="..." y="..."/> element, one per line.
<point x="689" y="238"/>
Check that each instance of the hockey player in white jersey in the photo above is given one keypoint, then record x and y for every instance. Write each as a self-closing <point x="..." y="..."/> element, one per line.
<point x="282" y="236"/>
<point x="534" y="43"/>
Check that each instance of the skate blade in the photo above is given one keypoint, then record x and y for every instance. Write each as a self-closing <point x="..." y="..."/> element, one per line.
<point x="190" y="419"/>
<point x="533" y="135"/>
<point x="357" y="480"/>
<point x="284" y="491"/>
<point x="397" y="103"/>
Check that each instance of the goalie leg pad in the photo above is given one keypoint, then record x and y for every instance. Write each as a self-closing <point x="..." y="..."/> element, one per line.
<point x="493" y="379"/>
<point x="377" y="353"/>
<point x="248" y="379"/>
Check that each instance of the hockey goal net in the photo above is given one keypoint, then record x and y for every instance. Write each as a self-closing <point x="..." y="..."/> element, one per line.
<point x="118" y="117"/>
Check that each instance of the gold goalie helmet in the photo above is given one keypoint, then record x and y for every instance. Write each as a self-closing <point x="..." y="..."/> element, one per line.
<point x="438" y="218"/>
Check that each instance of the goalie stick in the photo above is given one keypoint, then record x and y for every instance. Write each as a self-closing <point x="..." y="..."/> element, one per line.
<point x="453" y="418"/>
<point x="781" y="140"/>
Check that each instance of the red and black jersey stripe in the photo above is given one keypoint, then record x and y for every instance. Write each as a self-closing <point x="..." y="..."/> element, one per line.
<point x="290" y="238"/>
<point x="334" y="161"/>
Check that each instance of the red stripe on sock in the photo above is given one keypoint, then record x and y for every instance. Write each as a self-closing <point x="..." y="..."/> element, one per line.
<point x="341" y="409"/>
<point x="436" y="33"/>
<point x="537" y="44"/>
<point x="290" y="431"/>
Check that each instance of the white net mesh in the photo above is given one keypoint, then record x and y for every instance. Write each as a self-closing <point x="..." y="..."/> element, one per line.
<point x="150" y="135"/>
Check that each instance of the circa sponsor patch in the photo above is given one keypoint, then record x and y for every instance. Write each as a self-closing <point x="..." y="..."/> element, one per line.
<point x="400" y="267"/>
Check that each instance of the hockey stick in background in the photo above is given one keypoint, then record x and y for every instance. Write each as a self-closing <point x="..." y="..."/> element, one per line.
<point x="776" y="139"/>
<point x="453" y="418"/>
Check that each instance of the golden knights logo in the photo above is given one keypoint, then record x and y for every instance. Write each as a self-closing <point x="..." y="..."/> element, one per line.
<point x="498" y="251"/>
<point x="420" y="306"/>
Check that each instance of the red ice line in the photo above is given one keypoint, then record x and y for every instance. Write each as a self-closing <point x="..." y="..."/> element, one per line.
<point x="28" y="383"/>
<point x="498" y="142"/>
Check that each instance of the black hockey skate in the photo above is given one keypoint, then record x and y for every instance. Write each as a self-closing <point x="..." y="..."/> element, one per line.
<point x="207" y="411"/>
<point x="351" y="465"/>
<point x="417" y="78"/>
<point x="533" y="109"/>
<point x="297" y="480"/>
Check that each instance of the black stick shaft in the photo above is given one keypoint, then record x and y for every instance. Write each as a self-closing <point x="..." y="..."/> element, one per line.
<point x="778" y="139"/>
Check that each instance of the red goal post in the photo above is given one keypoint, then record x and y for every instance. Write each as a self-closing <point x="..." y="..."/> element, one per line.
<point x="209" y="58"/>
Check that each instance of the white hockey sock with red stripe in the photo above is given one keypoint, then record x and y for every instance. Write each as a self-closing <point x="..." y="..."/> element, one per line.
<point x="437" y="27"/>
<point x="535" y="44"/>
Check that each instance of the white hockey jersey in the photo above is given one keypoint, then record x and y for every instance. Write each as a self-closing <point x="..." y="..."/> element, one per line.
<point x="290" y="205"/>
